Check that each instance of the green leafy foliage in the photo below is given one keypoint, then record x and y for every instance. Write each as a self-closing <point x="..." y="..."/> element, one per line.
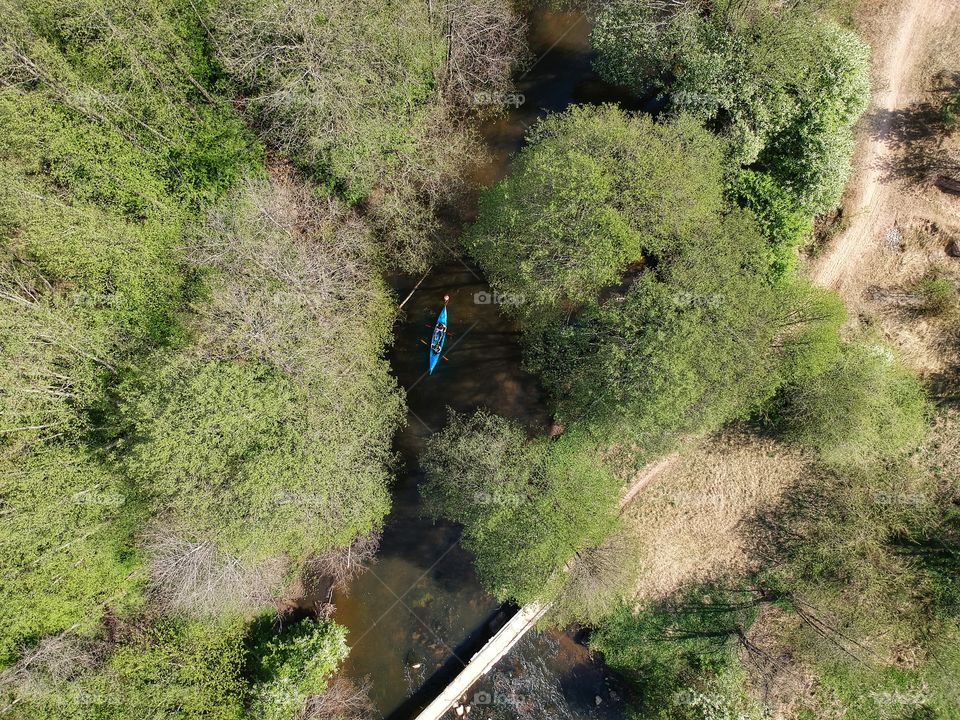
<point x="105" y="145"/>
<point x="595" y="190"/>
<point x="784" y="85"/>
<point x="293" y="666"/>
<point x="864" y="407"/>
<point x="950" y="110"/>
<point x="527" y="506"/>
<point x="272" y="436"/>
<point x="702" y="339"/>
<point x="781" y="222"/>
<point x="64" y="545"/>
<point x="182" y="670"/>
<point x="938" y="293"/>
<point x="132" y="75"/>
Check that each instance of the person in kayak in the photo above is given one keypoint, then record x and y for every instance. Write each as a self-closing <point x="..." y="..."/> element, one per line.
<point x="438" y="332"/>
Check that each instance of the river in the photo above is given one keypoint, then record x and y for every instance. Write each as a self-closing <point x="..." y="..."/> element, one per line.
<point x="419" y="612"/>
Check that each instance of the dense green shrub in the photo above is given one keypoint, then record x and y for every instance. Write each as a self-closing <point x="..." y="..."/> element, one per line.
<point x="937" y="293"/>
<point x="594" y="190"/>
<point x="700" y="340"/>
<point x="864" y="407"/>
<point x="294" y="666"/>
<point x="108" y="144"/>
<point x="527" y="506"/>
<point x="782" y="84"/>
<point x="114" y="81"/>
<point x="785" y="227"/>
<point x="950" y="110"/>
<point x="281" y="413"/>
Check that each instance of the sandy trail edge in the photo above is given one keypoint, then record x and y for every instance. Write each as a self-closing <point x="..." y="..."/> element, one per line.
<point x="869" y="206"/>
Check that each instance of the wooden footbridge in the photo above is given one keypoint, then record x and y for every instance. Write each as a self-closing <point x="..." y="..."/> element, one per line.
<point x="481" y="663"/>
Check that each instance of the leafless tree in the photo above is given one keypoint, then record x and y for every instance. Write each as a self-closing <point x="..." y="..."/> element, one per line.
<point x="341" y="565"/>
<point x="485" y="39"/>
<point x="56" y="657"/>
<point x="388" y="132"/>
<point x="342" y="700"/>
<point x="597" y="578"/>
<point x="195" y="578"/>
<point x="291" y="266"/>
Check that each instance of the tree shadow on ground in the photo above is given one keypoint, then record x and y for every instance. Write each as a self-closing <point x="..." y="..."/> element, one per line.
<point x="916" y="135"/>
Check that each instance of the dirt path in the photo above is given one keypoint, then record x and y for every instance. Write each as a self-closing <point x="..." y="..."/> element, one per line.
<point x="645" y="477"/>
<point x="871" y="206"/>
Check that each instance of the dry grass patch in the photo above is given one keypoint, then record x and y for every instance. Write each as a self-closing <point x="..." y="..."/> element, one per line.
<point x="691" y="525"/>
<point x="899" y="296"/>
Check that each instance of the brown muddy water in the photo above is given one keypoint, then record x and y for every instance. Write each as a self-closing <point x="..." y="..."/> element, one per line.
<point x="419" y="613"/>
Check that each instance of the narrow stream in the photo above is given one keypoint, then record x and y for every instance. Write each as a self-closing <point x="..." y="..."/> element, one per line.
<point x="419" y="612"/>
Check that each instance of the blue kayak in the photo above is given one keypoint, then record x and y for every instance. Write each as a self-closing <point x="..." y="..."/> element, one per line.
<point x="439" y="335"/>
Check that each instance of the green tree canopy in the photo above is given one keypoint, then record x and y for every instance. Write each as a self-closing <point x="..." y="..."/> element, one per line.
<point x="238" y="454"/>
<point x="594" y="190"/>
<point x="783" y="84"/>
<point x="108" y="143"/>
<point x="179" y="670"/>
<point x="527" y="506"/>
<point x="700" y="340"/>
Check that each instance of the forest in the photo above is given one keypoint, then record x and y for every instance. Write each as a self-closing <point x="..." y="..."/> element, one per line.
<point x="202" y="206"/>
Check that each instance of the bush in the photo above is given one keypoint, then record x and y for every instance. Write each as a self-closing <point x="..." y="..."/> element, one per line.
<point x="594" y="190"/>
<point x="950" y="111"/>
<point x="281" y="405"/>
<point x="938" y="294"/>
<point x="864" y="407"/>
<point x="783" y="85"/>
<point x="106" y="146"/>
<point x="239" y="455"/>
<point x="293" y="667"/>
<point x="527" y="507"/>
<point x="784" y="226"/>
